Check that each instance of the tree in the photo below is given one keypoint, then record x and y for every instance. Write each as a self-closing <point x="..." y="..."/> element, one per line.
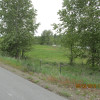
<point x="89" y="28"/>
<point x="46" y="37"/>
<point x="37" y="39"/>
<point x="17" y="24"/>
<point x="68" y="26"/>
<point x="57" y="39"/>
<point x="80" y="26"/>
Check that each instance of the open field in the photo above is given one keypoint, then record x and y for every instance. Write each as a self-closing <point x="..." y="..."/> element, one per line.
<point x="48" y="53"/>
<point x="51" y="54"/>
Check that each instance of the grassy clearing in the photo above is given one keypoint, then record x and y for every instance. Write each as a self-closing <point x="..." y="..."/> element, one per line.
<point x="47" y="53"/>
<point x="51" y="54"/>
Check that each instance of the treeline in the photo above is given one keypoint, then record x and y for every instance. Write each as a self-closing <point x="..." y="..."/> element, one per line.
<point x="48" y="38"/>
<point x="80" y="26"/>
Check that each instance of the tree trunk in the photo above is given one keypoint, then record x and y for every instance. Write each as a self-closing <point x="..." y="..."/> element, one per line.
<point x="17" y="54"/>
<point x="22" y="56"/>
<point x="71" y="55"/>
<point x="93" y="62"/>
<point x="93" y="56"/>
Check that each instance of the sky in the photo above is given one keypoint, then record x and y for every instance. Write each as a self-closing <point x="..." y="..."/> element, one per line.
<point x="47" y="13"/>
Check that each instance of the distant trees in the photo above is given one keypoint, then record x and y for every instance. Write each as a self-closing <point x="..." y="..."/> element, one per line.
<point x="17" y="26"/>
<point x="80" y="26"/>
<point x="37" y="39"/>
<point x="57" y="39"/>
<point x="46" y="37"/>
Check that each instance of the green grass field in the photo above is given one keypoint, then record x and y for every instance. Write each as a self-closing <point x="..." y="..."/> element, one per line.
<point x="48" y="53"/>
<point x="51" y="58"/>
<point x="51" y="54"/>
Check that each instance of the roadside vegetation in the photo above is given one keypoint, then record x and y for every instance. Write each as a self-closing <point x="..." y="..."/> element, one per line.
<point x="68" y="57"/>
<point x="78" y="73"/>
<point x="47" y="59"/>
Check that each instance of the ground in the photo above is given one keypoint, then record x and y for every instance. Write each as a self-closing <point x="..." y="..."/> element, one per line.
<point x="49" y="83"/>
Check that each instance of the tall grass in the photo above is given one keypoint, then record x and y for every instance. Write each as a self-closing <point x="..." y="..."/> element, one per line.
<point x="75" y="72"/>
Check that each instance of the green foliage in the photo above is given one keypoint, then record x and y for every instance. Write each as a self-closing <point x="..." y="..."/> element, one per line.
<point x="68" y="27"/>
<point x="37" y="39"/>
<point x="46" y="37"/>
<point x="89" y="30"/>
<point x="80" y="24"/>
<point x="17" y="26"/>
<point x="57" y="39"/>
<point x="48" y="40"/>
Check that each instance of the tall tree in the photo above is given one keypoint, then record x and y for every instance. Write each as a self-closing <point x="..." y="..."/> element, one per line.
<point x="68" y="26"/>
<point x="17" y="24"/>
<point x="81" y="27"/>
<point x="89" y="28"/>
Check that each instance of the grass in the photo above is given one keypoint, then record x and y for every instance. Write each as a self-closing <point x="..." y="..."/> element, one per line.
<point x="46" y="87"/>
<point x="11" y="61"/>
<point x="64" y="93"/>
<point x="36" y="81"/>
<point x="49" y="65"/>
<point x="30" y="78"/>
<point x="51" y="54"/>
<point x="47" y="53"/>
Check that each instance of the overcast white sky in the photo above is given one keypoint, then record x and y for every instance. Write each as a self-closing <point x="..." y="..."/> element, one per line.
<point x="47" y="13"/>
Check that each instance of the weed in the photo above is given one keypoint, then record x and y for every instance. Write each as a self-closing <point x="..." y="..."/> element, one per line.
<point x="64" y="93"/>
<point x="52" y="79"/>
<point x="46" y="87"/>
<point x="77" y="92"/>
<point x="30" y="78"/>
<point x="36" y="81"/>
